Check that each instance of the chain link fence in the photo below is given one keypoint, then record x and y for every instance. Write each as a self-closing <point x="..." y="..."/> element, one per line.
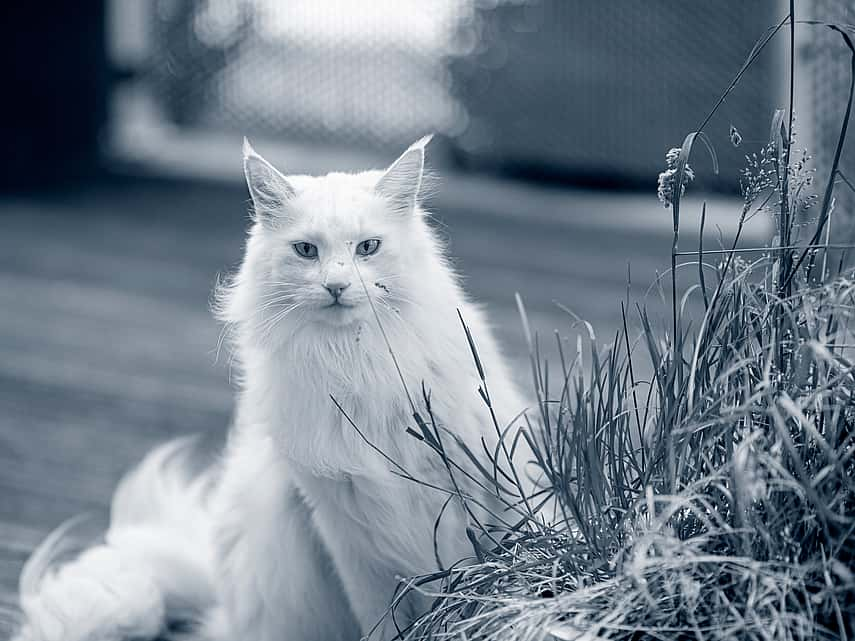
<point x="364" y="74"/>
<point x="592" y="90"/>
<point x="604" y="89"/>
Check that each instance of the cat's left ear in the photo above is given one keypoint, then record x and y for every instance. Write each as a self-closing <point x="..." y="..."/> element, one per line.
<point x="270" y="190"/>
<point x="402" y="182"/>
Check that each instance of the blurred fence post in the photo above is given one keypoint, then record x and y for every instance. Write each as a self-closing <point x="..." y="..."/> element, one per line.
<point x="826" y="62"/>
<point x="54" y="94"/>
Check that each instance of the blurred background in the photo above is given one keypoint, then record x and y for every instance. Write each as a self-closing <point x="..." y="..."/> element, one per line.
<point x="121" y="194"/>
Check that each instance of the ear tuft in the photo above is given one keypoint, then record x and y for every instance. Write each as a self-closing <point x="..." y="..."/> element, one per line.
<point x="402" y="182"/>
<point x="422" y="142"/>
<point x="269" y="189"/>
<point x="247" y="148"/>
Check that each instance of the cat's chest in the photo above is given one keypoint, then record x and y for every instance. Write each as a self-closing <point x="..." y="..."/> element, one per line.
<point x="330" y="410"/>
<point x="312" y="385"/>
<point x="352" y="367"/>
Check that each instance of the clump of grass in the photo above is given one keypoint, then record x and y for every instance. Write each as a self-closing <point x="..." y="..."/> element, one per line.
<point x="744" y="529"/>
<point x="714" y="499"/>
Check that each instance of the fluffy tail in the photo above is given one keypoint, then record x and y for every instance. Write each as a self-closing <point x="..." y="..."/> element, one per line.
<point x="154" y="567"/>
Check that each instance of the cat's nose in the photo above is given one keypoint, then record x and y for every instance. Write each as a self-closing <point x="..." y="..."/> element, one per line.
<point x="336" y="289"/>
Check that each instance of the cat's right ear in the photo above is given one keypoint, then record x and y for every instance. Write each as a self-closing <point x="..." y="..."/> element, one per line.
<point x="269" y="189"/>
<point x="402" y="182"/>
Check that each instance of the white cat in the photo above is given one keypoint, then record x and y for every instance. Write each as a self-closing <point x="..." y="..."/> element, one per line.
<point x="309" y="525"/>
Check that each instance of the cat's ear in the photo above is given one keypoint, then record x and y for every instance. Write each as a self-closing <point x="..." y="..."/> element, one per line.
<point x="270" y="190"/>
<point x="402" y="182"/>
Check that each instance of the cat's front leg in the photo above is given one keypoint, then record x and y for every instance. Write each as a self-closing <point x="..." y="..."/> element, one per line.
<point x="370" y="591"/>
<point x="276" y="580"/>
<point x="369" y="576"/>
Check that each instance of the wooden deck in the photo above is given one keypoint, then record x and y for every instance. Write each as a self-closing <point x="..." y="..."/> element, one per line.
<point x="107" y="346"/>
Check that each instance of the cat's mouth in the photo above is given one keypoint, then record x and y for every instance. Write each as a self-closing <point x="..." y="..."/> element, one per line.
<point x="337" y="304"/>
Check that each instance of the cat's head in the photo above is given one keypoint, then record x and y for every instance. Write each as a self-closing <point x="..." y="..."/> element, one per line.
<point x="330" y="250"/>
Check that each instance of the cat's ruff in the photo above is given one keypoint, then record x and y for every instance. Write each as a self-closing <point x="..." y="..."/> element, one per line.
<point x="308" y="527"/>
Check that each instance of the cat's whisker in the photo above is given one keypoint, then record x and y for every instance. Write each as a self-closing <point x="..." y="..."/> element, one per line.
<point x="276" y="295"/>
<point x="298" y="311"/>
<point x="271" y="321"/>
<point x="396" y="298"/>
<point x="272" y="304"/>
<point x="233" y="354"/>
<point x="277" y="287"/>
<point x="225" y="331"/>
<point x="270" y="324"/>
<point x="381" y="279"/>
<point x="278" y="283"/>
<point x="283" y="301"/>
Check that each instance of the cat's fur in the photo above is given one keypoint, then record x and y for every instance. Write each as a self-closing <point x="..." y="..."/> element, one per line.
<point x="309" y="526"/>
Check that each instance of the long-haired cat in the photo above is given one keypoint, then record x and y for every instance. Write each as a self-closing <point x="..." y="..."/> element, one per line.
<point x="304" y="528"/>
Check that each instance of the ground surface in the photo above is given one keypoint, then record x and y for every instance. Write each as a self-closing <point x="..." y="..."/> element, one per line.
<point x="107" y="345"/>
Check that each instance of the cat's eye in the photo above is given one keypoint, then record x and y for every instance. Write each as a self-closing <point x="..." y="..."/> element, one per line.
<point x="368" y="247"/>
<point x="306" y="250"/>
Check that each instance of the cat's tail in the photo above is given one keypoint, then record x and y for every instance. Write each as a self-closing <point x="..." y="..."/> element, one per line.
<point x="155" y="566"/>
